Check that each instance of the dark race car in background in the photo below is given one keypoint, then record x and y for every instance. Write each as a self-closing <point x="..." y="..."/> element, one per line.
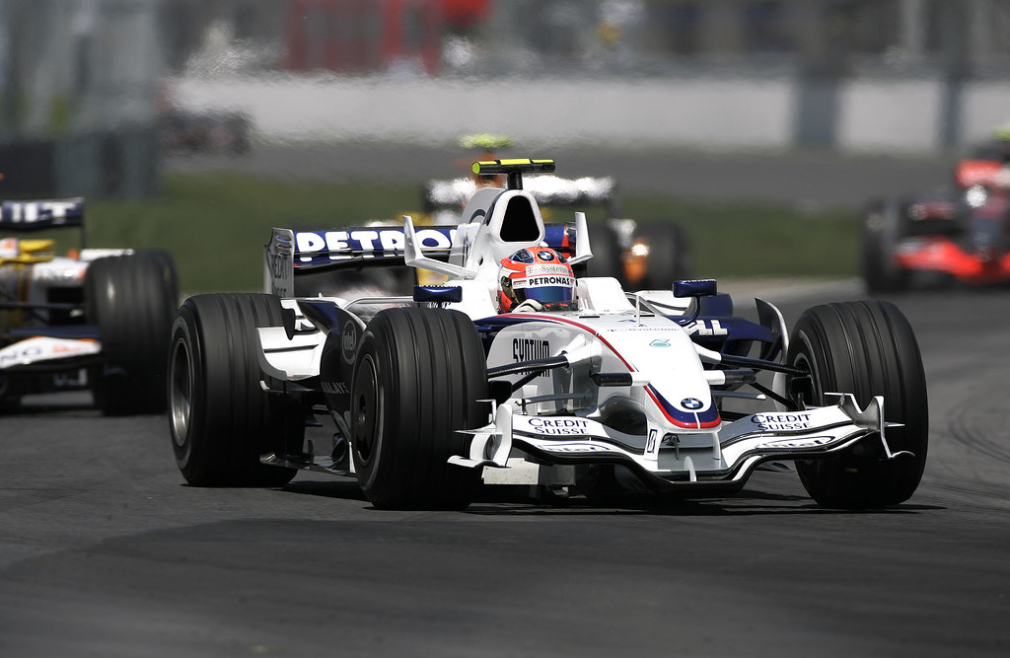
<point x="207" y="132"/>
<point x="95" y="319"/>
<point x="950" y="234"/>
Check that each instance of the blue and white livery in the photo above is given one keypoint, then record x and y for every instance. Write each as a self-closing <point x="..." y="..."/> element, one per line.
<point x="656" y="390"/>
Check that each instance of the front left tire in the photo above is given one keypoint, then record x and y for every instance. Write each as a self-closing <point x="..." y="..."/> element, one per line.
<point x="221" y="420"/>
<point x="419" y="378"/>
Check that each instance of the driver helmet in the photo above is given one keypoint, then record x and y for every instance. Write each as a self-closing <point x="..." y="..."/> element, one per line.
<point x="537" y="278"/>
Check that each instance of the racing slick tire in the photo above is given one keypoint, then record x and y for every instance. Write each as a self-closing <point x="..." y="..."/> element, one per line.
<point x="9" y="402"/>
<point x="669" y="254"/>
<point x="419" y="377"/>
<point x="882" y="227"/>
<point x="170" y="273"/>
<point x="867" y="349"/>
<point x="132" y="300"/>
<point x="220" y="418"/>
<point x="606" y="260"/>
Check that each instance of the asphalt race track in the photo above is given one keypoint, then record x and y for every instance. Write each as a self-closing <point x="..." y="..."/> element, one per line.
<point x="105" y="552"/>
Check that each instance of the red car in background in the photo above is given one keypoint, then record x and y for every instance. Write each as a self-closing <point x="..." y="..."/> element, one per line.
<point x="957" y="234"/>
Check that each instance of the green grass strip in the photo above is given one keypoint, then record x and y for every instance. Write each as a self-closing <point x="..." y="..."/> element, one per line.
<point x="216" y="226"/>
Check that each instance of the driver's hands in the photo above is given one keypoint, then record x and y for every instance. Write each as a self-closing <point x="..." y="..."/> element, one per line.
<point x="529" y="306"/>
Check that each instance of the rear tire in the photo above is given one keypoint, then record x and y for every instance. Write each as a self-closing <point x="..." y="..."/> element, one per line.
<point x="669" y="254"/>
<point x="882" y="228"/>
<point x="220" y="418"/>
<point x="9" y="401"/>
<point x="867" y="349"/>
<point x="419" y="377"/>
<point x="132" y="300"/>
<point x="169" y="272"/>
<point x="606" y="246"/>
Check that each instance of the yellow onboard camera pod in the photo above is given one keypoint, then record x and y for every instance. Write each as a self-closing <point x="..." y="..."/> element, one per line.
<point x="513" y="169"/>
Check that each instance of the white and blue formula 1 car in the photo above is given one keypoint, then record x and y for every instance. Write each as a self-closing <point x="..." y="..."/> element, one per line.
<point x="95" y="319"/>
<point x="666" y="390"/>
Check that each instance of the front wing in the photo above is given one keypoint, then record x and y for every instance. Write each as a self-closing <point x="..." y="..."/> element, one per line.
<point x="48" y="363"/>
<point x="662" y="462"/>
<point x="939" y="254"/>
<point x="50" y="350"/>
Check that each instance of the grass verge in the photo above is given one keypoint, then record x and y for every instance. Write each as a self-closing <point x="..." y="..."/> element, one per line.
<point x="216" y="227"/>
<point x="759" y="240"/>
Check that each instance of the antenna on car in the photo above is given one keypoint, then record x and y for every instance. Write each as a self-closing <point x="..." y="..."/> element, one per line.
<point x="513" y="169"/>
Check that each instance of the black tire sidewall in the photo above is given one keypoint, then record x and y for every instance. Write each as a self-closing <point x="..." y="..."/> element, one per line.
<point x="232" y="420"/>
<point x="368" y="438"/>
<point x="867" y="349"/>
<point x="132" y="300"/>
<point x="430" y="377"/>
<point x="606" y="246"/>
<point x="185" y="343"/>
<point x="881" y="229"/>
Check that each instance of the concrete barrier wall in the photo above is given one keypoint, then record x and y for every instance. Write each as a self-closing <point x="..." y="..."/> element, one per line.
<point x="985" y="105"/>
<point x="884" y="116"/>
<point x="898" y="116"/>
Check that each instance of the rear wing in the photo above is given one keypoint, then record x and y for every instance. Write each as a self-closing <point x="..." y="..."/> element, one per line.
<point x="546" y="189"/>
<point x="291" y="253"/>
<point x="987" y="173"/>
<point x="39" y="215"/>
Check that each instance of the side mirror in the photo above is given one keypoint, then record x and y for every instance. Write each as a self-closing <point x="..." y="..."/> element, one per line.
<point x="438" y="294"/>
<point x="695" y="288"/>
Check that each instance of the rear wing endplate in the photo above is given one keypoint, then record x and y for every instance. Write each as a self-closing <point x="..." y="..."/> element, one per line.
<point x="39" y="215"/>
<point x="546" y="189"/>
<point x="290" y="253"/>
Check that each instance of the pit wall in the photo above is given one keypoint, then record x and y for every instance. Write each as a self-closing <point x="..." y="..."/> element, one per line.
<point x="910" y="116"/>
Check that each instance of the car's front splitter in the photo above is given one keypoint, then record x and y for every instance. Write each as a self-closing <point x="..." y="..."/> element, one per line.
<point x="718" y="461"/>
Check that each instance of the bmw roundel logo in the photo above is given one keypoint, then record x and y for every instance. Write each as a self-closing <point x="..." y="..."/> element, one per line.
<point x="349" y="342"/>
<point x="545" y="255"/>
<point x="691" y="403"/>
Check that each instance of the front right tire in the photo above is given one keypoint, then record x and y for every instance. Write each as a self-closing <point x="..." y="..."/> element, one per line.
<point x="867" y="349"/>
